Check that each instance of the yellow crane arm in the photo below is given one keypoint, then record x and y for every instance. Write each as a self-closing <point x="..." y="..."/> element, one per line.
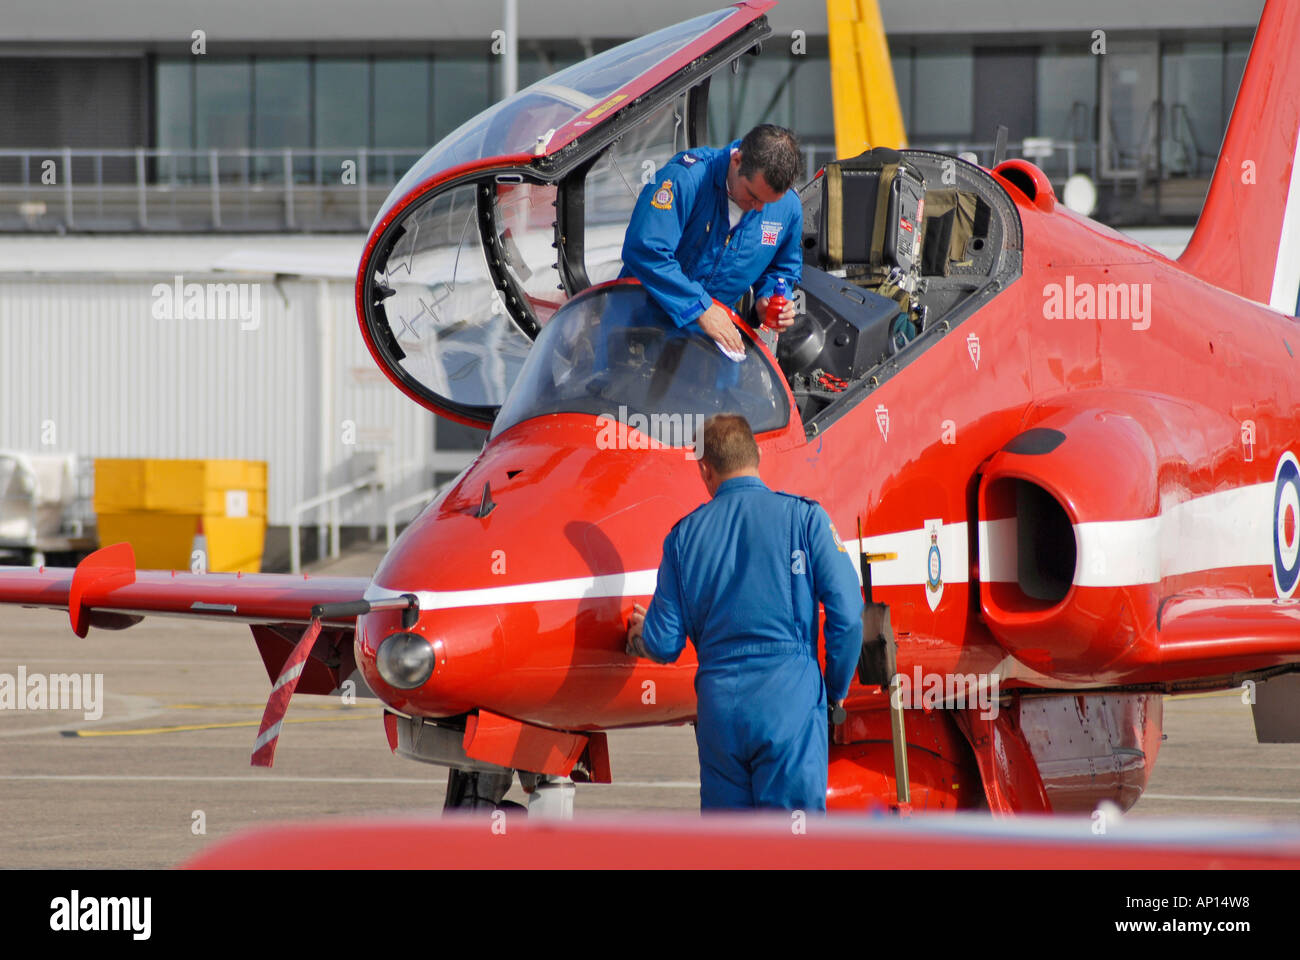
<point x="867" y="113"/>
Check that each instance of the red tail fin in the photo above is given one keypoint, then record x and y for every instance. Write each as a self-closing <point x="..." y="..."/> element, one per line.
<point x="1248" y="237"/>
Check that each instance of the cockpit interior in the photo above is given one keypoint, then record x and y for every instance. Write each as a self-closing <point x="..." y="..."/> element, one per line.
<point x="505" y="230"/>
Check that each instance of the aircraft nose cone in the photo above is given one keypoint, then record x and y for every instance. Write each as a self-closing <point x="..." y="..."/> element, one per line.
<point x="438" y="666"/>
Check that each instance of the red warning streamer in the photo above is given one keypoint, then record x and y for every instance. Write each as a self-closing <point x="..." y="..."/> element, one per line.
<point x="277" y="705"/>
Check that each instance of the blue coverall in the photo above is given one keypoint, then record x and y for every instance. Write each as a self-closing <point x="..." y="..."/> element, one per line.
<point x="742" y="576"/>
<point x="681" y="246"/>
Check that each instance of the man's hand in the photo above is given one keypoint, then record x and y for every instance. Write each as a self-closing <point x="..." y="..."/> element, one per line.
<point x="716" y="322"/>
<point x="635" y="644"/>
<point x="787" y="313"/>
<point x="835" y="713"/>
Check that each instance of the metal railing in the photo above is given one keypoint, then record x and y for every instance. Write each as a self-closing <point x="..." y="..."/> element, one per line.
<point x="291" y="189"/>
<point x="1056" y="157"/>
<point x="421" y="499"/>
<point x="375" y="479"/>
<point x="287" y="189"/>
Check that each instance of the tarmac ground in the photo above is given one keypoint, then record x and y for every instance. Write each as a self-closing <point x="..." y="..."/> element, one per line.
<point x="165" y="770"/>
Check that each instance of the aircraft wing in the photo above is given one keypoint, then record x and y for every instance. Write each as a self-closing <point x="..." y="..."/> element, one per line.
<point x="105" y="590"/>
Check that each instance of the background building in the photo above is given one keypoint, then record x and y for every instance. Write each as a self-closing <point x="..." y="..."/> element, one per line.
<point x="300" y="115"/>
<point x="285" y="94"/>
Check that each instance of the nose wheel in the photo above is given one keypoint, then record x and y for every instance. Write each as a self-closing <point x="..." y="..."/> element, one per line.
<point x="548" y="797"/>
<point x="479" y="790"/>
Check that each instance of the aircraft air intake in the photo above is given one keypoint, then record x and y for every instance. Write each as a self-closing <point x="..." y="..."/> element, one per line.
<point x="1054" y="505"/>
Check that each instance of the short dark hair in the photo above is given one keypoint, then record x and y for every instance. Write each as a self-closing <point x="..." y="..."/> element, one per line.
<point x="772" y="151"/>
<point x="728" y="443"/>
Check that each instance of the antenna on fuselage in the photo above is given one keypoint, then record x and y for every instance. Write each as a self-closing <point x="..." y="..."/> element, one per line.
<point x="485" y="506"/>
<point x="1000" y="144"/>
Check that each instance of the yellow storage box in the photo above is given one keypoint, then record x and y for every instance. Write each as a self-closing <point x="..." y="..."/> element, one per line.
<point x="169" y="509"/>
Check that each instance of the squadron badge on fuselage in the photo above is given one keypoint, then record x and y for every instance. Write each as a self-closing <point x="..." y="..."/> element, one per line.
<point x="933" y="564"/>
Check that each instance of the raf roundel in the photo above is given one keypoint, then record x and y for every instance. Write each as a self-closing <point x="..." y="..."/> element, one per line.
<point x="1286" y="525"/>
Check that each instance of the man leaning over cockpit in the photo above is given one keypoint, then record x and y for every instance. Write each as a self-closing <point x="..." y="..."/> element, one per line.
<point x="714" y="223"/>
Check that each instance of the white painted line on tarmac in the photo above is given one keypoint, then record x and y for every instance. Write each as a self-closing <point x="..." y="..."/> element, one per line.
<point x="1220" y="799"/>
<point x="137" y="708"/>
<point x="116" y="662"/>
<point x="173" y="778"/>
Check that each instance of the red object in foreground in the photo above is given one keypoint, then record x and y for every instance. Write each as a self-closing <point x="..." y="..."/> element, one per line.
<point x="504" y="840"/>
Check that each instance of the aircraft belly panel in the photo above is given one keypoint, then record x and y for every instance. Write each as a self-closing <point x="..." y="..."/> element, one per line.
<point x="1093" y="748"/>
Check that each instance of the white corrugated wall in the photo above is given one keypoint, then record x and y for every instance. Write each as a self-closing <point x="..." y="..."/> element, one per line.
<point x="86" y="365"/>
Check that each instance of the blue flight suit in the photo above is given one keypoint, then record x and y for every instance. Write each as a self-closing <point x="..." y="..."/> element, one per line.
<point x="681" y="246"/>
<point x="742" y="576"/>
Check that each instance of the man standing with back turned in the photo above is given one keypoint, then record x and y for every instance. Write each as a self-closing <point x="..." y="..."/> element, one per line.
<point x="742" y="576"/>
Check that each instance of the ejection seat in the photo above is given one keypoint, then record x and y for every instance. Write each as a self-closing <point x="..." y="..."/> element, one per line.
<point x="863" y="223"/>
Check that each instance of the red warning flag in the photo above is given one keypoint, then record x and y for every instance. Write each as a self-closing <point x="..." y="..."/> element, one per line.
<point x="277" y="705"/>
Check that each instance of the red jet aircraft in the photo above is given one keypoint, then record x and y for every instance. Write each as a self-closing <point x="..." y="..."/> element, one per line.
<point x="1071" y="460"/>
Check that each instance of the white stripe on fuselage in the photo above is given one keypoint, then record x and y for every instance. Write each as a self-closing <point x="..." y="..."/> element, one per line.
<point x="1286" y="272"/>
<point x="636" y="583"/>
<point x="1217" y="531"/>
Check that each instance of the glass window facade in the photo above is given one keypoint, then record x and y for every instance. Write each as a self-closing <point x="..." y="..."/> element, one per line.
<point x="1067" y="94"/>
<point x="781" y="87"/>
<point x="759" y="93"/>
<point x="1066" y="108"/>
<point x="342" y="103"/>
<point x="902" y="62"/>
<point x="175" y="104"/>
<point x="281" y="103"/>
<point x="223" y="101"/>
<point x="1192" y="91"/>
<point x="943" y="84"/>
<point x="402" y="103"/>
<point x="1150" y="109"/>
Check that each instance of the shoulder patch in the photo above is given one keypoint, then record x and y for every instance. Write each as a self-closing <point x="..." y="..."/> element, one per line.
<point x="795" y="496"/>
<point x="839" y="544"/>
<point x="689" y="158"/>
<point x="663" y="197"/>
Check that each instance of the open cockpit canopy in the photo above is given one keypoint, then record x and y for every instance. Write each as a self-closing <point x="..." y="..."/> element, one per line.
<point x="525" y="205"/>
<point x="495" y="231"/>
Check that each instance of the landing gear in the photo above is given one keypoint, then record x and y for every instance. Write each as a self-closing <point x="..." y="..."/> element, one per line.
<point x="548" y="797"/>
<point x="478" y="790"/>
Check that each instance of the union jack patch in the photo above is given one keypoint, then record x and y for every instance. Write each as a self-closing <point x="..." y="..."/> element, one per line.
<point x="663" y="198"/>
<point x="771" y="231"/>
